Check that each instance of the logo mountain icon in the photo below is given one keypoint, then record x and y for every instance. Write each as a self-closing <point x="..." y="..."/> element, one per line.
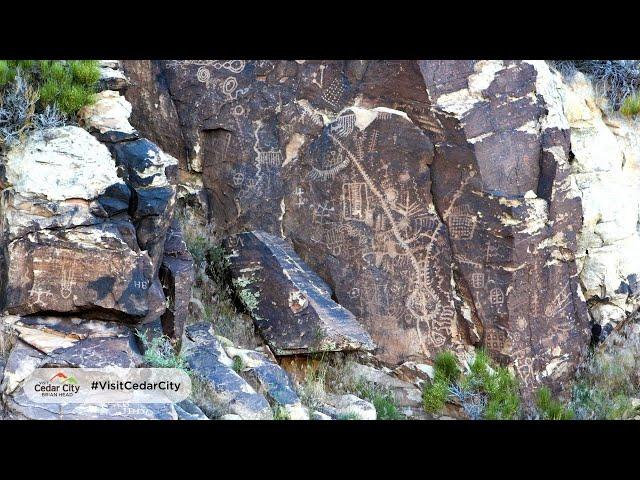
<point x="61" y="377"/>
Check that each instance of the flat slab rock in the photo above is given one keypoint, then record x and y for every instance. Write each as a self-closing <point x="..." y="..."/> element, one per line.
<point x="71" y="342"/>
<point x="268" y="378"/>
<point x="225" y="392"/>
<point x="295" y="312"/>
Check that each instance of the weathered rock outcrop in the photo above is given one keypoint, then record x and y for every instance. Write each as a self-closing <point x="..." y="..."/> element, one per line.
<point x="223" y="390"/>
<point x="434" y="197"/>
<point x="85" y="216"/>
<point x="293" y="308"/>
<point x="606" y="171"/>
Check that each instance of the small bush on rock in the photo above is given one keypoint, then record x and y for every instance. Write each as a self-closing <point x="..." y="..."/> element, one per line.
<point x="159" y="353"/>
<point x="631" y="105"/>
<point x="381" y="398"/>
<point x="609" y="381"/>
<point x="43" y="93"/>
<point x="489" y="392"/>
<point x="617" y="79"/>
<point x="550" y="409"/>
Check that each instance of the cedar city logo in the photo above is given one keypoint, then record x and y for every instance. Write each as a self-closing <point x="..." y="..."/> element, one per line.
<point x="59" y="385"/>
<point x="61" y="377"/>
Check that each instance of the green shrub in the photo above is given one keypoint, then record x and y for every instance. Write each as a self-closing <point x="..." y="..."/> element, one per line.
<point x="7" y="73"/>
<point x="85" y="72"/>
<point x="280" y="413"/>
<point x="609" y="379"/>
<point x="496" y="386"/>
<point x="550" y="409"/>
<point x="159" y="353"/>
<point x="381" y="398"/>
<point x="67" y="84"/>
<point x="447" y="364"/>
<point x="434" y="395"/>
<point x="238" y="364"/>
<point x="499" y="386"/>
<point x="631" y="105"/>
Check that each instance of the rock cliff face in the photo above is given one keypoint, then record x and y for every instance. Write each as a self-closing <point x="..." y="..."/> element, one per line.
<point x="86" y="248"/>
<point x="438" y="199"/>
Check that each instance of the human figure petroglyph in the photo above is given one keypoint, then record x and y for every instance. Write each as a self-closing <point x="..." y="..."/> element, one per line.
<point x="320" y="75"/>
<point x="39" y="293"/>
<point x="299" y="193"/>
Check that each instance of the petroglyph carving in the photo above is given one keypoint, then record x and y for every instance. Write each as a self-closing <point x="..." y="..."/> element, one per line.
<point x="559" y="302"/>
<point x="355" y="201"/>
<point x="234" y="66"/>
<point x="41" y="296"/>
<point x="67" y="283"/>
<point x="343" y="125"/>
<point x="335" y="163"/>
<point x="496" y="297"/>
<point x="269" y="158"/>
<point x="477" y="280"/>
<point x="462" y="223"/>
<point x="318" y="75"/>
<point x="322" y="214"/>
<point x="333" y="94"/>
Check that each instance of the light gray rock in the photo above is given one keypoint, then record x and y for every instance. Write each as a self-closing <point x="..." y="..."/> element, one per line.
<point x="230" y="416"/>
<point x="268" y="378"/>
<point x="404" y="393"/>
<point x="187" y="410"/>
<point x="220" y="389"/>
<point x="348" y="407"/>
<point x="60" y="164"/>
<point x="19" y="407"/>
<point x="316" y="415"/>
<point x="109" y="112"/>
<point x="112" y="79"/>
<point x="606" y="175"/>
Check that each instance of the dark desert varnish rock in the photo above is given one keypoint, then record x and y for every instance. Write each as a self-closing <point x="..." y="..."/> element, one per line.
<point x="295" y="312"/>
<point x="177" y="276"/>
<point x="432" y="196"/>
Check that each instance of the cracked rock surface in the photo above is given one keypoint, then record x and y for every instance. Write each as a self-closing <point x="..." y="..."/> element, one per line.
<point x="434" y="197"/>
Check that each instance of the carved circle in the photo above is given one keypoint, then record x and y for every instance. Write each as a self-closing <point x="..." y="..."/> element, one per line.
<point x="203" y="75"/>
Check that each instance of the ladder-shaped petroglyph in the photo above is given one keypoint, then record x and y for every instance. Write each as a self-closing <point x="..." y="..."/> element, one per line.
<point x="422" y="301"/>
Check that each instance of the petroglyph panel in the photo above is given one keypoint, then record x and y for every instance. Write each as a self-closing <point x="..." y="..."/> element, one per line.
<point x="338" y="157"/>
<point x="391" y="260"/>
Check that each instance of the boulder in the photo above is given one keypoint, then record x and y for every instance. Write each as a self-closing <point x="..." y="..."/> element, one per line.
<point x="348" y="407"/>
<point x="268" y="378"/>
<point x="75" y="343"/>
<point x="67" y="240"/>
<point x="108" y="117"/>
<point x="222" y="390"/>
<point x="293" y="308"/>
